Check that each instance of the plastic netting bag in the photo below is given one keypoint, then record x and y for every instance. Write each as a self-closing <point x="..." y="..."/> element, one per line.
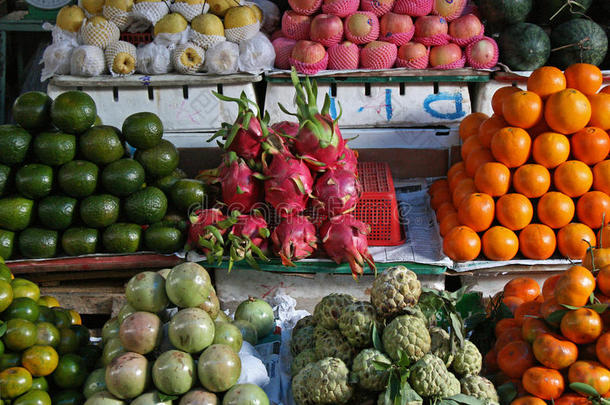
<point x="56" y="60"/>
<point x="222" y="58"/>
<point x="87" y="60"/>
<point x="153" y="59"/>
<point x="256" y="54"/>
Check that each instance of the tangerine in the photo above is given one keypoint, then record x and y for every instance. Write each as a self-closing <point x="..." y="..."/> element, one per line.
<point x="573" y="178"/>
<point x="555" y="209"/>
<point x="546" y="80"/>
<point x="523" y="287"/>
<point x="572" y="240"/>
<point x="550" y="149"/>
<point x="477" y="211"/>
<point x="593" y="208"/>
<point x="500" y="243"/>
<point x="489" y="127"/>
<point x="532" y="180"/>
<point x="601" y="176"/>
<point x="567" y="111"/>
<point x="514" y="211"/>
<point x="462" y="244"/>
<point x="584" y="77"/>
<point x="492" y="178"/>
<point x="497" y="100"/>
<point x="511" y="146"/>
<point x="522" y="109"/>
<point x="545" y="383"/>
<point x="581" y="326"/>
<point x="537" y="242"/>
<point x="575" y="286"/>
<point x="515" y="358"/>
<point x="600" y="110"/>
<point x="470" y="125"/>
<point x="590" y="145"/>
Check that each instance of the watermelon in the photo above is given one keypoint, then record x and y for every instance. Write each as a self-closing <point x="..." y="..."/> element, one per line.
<point x="524" y="46"/>
<point x="558" y="11"/>
<point x="581" y="41"/>
<point x="500" y="13"/>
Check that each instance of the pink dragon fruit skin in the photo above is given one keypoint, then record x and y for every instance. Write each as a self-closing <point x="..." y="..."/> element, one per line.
<point x="348" y="160"/>
<point x="336" y="192"/>
<point x="198" y="223"/>
<point x="288" y="128"/>
<point x="247" y="142"/>
<point x="241" y="190"/>
<point x="344" y="239"/>
<point x="294" y="239"/>
<point x="254" y="227"/>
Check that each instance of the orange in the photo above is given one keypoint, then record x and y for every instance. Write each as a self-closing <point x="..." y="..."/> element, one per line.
<point x="512" y="303"/>
<point x="545" y="383"/>
<point x="523" y="287"/>
<point x="469" y="145"/>
<point x="497" y="100"/>
<point x="593" y="208"/>
<point x="448" y="223"/>
<point x="511" y="146"/>
<point x="555" y="209"/>
<point x="591" y="373"/>
<point x="514" y="211"/>
<point x="550" y="149"/>
<point x="476" y="159"/>
<point x="590" y="145"/>
<point x="545" y="81"/>
<point x="573" y="178"/>
<point x="437" y="185"/>
<point x="572" y="399"/>
<point x="477" y="211"/>
<point x="603" y="236"/>
<point x="439" y="197"/>
<point x="40" y="361"/>
<point x="584" y="77"/>
<point x="602" y="349"/>
<point x="462" y="244"/>
<point x="492" y="178"/>
<point x="548" y="307"/>
<point x="571" y="240"/>
<point x="532" y="327"/>
<point x="601" y="176"/>
<point x="522" y="109"/>
<point x="516" y="358"/>
<point x="575" y="286"/>
<point x="532" y="180"/>
<point x="489" y="127"/>
<point x="470" y="124"/>
<point x="567" y="111"/>
<point x="525" y="310"/>
<point x="540" y="128"/>
<point x="581" y="326"/>
<point x="463" y="190"/>
<point x="537" y="242"/>
<point x="504" y="324"/>
<point x="600" y="110"/>
<point x="500" y="243"/>
<point x="443" y="210"/>
<point x="554" y="353"/>
<point x="603" y="280"/>
<point x="456" y="179"/>
<point x="548" y="287"/>
<point x="456" y="168"/>
<point x="528" y="400"/>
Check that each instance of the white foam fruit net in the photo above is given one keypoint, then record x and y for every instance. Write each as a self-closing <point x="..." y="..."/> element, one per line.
<point x="121" y="18"/>
<point x="188" y="58"/>
<point x="100" y="35"/>
<point x="242" y="33"/>
<point x="114" y="50"/>
<point x="189" y="11"/>
<point x="150" y="11"/>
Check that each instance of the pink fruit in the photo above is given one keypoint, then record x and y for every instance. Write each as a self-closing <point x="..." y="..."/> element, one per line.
<point x="396" y="28"/>
<point x="326" y="29"/>
<point x="277" y="34"/>
<point x="241" y="190"/>
<point x="286" y="128"/>
<point x="295" y="26"/>
<point x="450" y="10"/>
<point x="414" y="8"/>
<point x="361" y="27"/>
<point x="343" y="56"/>
<point x="348" y="160"/>
<point x="377" y="7"/>
<point x="482" y="54"/>
<point x="466" y="29"/>
<point x="206" y="230"/>
<point x="344" y="240"/>
<point x="283" y="49"/>
<point x="308" y="52"/>
<point x="445" y="55"/>
<point x="412" y="51"/>
<point x="430" y="25"/>
<point x="294" y="239"/>
<point x="378" y="55"/>
<point x="305" y="7"/>
<point x="248" y="236"/>
<point x="340" y="8"/>
<point x="336" y="192"/>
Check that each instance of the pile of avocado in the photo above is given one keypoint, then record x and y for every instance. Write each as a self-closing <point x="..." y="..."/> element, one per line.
<point x="69" y="185"/>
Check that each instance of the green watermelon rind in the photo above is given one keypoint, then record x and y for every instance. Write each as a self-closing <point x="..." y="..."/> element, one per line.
<point x="592" y="51"/>
<point x="524" y="46"/>
<point x="505" y="12"/>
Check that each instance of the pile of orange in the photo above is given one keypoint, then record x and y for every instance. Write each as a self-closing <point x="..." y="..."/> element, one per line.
<point x="555" y="338"/>
<point x="535" y="176"/>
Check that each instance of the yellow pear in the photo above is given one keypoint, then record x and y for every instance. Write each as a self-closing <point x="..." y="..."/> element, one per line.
<point x="93" y="7"/>
<point x="191" y="2"/>
<point x="124" y="63"/>
<point x="208" y="24"/>
<point x="124" y="5"/>
<point x="97" y="20"/>
<point x="239" y="17"/>
<point x="172" y="23"/>
<point x="70" y="18"/>
<point x="220" y="7"/>
<point x="257" y="12"/>
<point x="190" y="58"/>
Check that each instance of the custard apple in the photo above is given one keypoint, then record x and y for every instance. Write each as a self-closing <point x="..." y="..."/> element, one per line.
<point x="302" y="339"/>
<point x="306" y="321"/>
<point x="329" y="309"/>
<point x="394" y="290"/>
<point x="452" y="388"/>
<point x="430" y="377"/>
<point x="481" y="388"/>
<point x="467" y="360"/>
<point x="369" y="377"/>
<point x="331" y="343"/>
<point x="356" y="323"/>
<point x="323" y="382"/>
<point x="440" y="345"/>
<point x="409" y="334"/>
<point x="301" y="360"/>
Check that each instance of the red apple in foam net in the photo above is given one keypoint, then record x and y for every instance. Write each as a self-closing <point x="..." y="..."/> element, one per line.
<point x="444" y="54"/>
<point x="295" y="26"/>
<point x="378" y="7"/>
<point x="465" y="27"/>
<point x="450" y="9"/>
<point x="378" y="55"/>
<point x="305" y="6"/>
<point x="483" y="54"/>
<point x="363" y="26"/>
<point x="392" y="23"/>
<point x="326" y="28"/>
<point x="308" y="51"/>
<point x="412" y="51"/>
<point x="430" y="25"/>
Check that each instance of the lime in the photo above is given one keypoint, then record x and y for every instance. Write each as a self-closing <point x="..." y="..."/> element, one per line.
<point x="45" y="314"/>
<point x="20" y="334"/>
<point x="78" y="178"/>
<point x="187" y="194"/>
<point x="80" y="241"/>
<point x="99" y="211"/>
<point x="163" y="239"/>
<point x="101" y="145"/>
<point x="6" y="295"/>
<point x="73" y="112"/>
<point x="165" y="183"/>
<point x="160" y="160"/>
<point x="68" y="341"/>
<point x="14" y="381"/>
<point x="40" y="383"/>
<point x="122" y="238"/>
<point x="123" y="177"/>
<point x="47" y="334"/>
<point x="14" y="144"/>
<point x="15" y="213"/>
<point x="146" y="206"/>
<point x="5" y="179"/>
<point x="33" y="397"/>
<point x="5" y="272"/>
<point x="70" y="372"/>
<point x="48" y="301"/>
<point x="34" y="180"/>
<point x="62" y="318"/>
<point x="143" y="130"/>
<point x="40" y="360"/>
<point x="38" y="243"/>
<point x="25" y="288"/>
<point x="22" y="308"/>
<point x="32" y="110"/>
<point x="54" y="148"/>
<point x="9" y="359"/>
<point x="56" y="211"/>
<point x="7" y="240"/>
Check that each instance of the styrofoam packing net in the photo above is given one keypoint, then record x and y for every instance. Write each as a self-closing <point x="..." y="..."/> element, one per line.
<point x="460" y="63"/>
<point x="399" y="38"/>
<point x="328" y="42"/>
<point x="378" y="58"/>
<point x="305" y="11"/>
<point x="172" y="40"/>
<point x="292" y="30"/>
<point x="189" y="11"/>
<point x="434" y="40"/>
<point x="222" y="58"/>
<point x="310" y="68"/>
<point x="153" y="59"/>
<point x="150" y="11"/>
<point x="343" y="58"/>
<point x="60" y="35"/>
<point x="120" y="47"/>
<point x="467" y="41"/>
<point x="283" y="49"/>
<point x="121" y="18"/>
<point x="492" y="62"/>
<point x="417" y="63"/>
<point x="56" y="60"/>
<point x="88" y="61"/>
<point x="242" y="33"/>
<point x="341" y="8"/>
<point x="461" y="4"/>
<point x="100" y="35"/>
<point x="206" y="41"/>
<point x="373" y="34"/>
<point x="376" y="7"/>
<point x="414" y="8"/>
<point x="256" y="54"/>
<point x="177" y="55"/>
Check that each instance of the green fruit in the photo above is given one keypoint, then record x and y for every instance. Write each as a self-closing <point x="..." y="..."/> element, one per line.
<point x="56" y="211"/>
<point x="33" y="397"/>
<point x="166" y="183"/>
<point x="5" y="179"/>
<point x="301" y="360"/>
<point x="20" y="334"/>
<point x="364" y="368"/>
<point x="5" y="272"/>
<point x="101" y="145"/>
<point x="331" y="343"/>
<point x="22" y="308"/>
<point x="6" y="295"/>
<point x="356" y="323"/>
<point x="188" y="285"/>
<point x="480" y="388"/>
<point x="590" y="39"/>
<point x="160" y="160"/>
<point x="218" y="368"/>
<point x="82" y="334"/>
<point x="34" y="180"/>
<point x="211" y="305"/>
<point x="7" y="243"/>
<point x="245" y="394"/>
<point x="14" y="382"/>
<point x="14" y="144"/>
<point x="186" y="194"/>
<point x="102" y="398"/>
<point x="90" y="353"/>
<point x="191" y="330"/>
<point x="38" y="243"/>
<point x="95" y="382"/>
<point x="32" y="110"/>
<point x="505" y="12"/>
<point x="68" y="341"/>
<point x="122" y="238"/>
<point x="408" y="334"/>
<point x="112" y="349"/>
<point x="198" y="396"/>
<point x="151" y="398"/>
<point x="54" y="148"/>
<point x="228" y="334"/>
<point x="174" y="372"/>
<point x="430" y="377"/>
<point x="302" y="339"/>
<point x="163" y="239"/>
<point x="143" y="130"/>
<point x="68" y="397"/>
<point x="71" y="371"/>
<point x="47" y="334"/>
<point x="141" y="332"/>
<point x="99" y="211"/>
<point x="326" y="380"/>
<point x="123" y="177"/>
<point x="248" y="331"/>
<point x="25" y="288"/>
<point x="127" y="375"/>
<point x="78" y="178"/>
<point x="327" y="312"/>
<point x="46" y="314"/>
<point x="524" y="46"/>
<point x="40" y="383"/>
<point x="62" y="318"/>
<point x="124" y="312"/>
<point x="258" y="313"/>
<point x="9" y="359"/>
<point x="110" y="330"/>
<point x="146" y="206"/>
<point x="467" y="360"/>
<point x="80" y="241"/>
<point x="73" y="112"/>
<point x="15" y="213"/>
<point x="146" y="292"/>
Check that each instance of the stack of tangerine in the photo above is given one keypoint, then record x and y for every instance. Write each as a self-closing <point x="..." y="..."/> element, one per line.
<point x="538" y="166"/>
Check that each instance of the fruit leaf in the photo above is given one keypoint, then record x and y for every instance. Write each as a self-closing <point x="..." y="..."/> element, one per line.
<point x="555" y="317"/>
<point x="466" y="399"/>
<point x="381" y="366"/>
<point x="164" y="398"/>
<point x="447" y="402"/>
<point x="572" y="307"/>
<point x="376" y="339"/>
<point x="507" y="392"/>
<point x="394" y="385"/>
<point x="599" y="308"/>
<point x="2" y="328"/>
<point x="585" y="389"/>
<point x="403" y="359"/>
<point x="592" y="298"/>
<point x="408" y="396"/>
<point x="457" y="327"/>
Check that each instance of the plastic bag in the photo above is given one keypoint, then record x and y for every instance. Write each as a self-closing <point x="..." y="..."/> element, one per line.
<point x="172" y="40"/>
<point x="60" y="35"/>
<point x="222" y="58"/>
<point x="153" y="59"/>
<point x="150" y="11"/>
<point x="87" y="60"/>
<point x="256" y="54"/>
<point x="271" y="15"/>
<point x="56" y="60"/>
<point x="253" y="370"/>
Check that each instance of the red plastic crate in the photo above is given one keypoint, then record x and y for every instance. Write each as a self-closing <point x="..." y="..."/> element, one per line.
<point x="137" y="38"/>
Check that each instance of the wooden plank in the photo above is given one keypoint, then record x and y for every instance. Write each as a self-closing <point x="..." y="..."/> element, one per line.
<point x="83" y="275"/>
<point x="167" y="80"/>
<point x="393" y="75"/>
<point x="90" y="303"/>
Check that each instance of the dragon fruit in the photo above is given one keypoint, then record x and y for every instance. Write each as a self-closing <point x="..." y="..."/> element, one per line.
<point x="337" y="192"/>
<point x="206" y="232"/>
<point x="294" y="239"/>
<point x="348" y="160"/>
<point x="240" y="185"/>
<point x="248" y="131"/>
<point x="289" y="129"/>
<point x="344" y="239"/>
<point x="249" y="235"/>
<point x="318" y="141"/>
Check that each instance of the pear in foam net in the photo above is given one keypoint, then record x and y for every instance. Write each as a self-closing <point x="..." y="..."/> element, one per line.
<point x="100" y="32"/>
<point x="121" y="58"/>
<point x="118" y="12"/>
<point x="207" y="30"/>
<point x="70" y="18"/>
<point x="240" y="24"/>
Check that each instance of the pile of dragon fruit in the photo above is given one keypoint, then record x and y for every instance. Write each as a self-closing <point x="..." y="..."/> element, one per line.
<point x="270" y="176"/>
<point x="380" y="34"/>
